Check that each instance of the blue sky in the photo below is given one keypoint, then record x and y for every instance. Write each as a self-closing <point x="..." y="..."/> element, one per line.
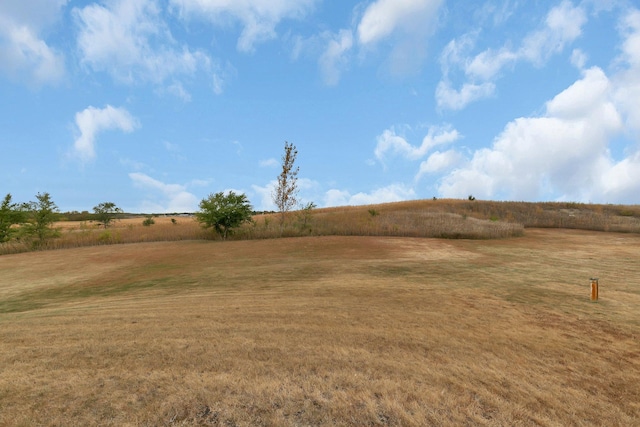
<point x="155" y="104"/>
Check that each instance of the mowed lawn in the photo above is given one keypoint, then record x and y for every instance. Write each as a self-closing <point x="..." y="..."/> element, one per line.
<point x="324" y="331"/>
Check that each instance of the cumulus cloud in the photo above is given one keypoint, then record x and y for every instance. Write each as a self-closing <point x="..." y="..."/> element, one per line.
<point x="129" y="40"/>
<point x="390" y="193"/>
<point x="390" y="142"/>
<point x="564" y="153"/>
<point x="439" y="162"/>
<point x="92" y="121"/>
<point x="24" y="54"/>
<point x="163" y="198"/>
<point x="562" y="26"/>
<point x="264" y="194"/>
<point x="258" y="18"/>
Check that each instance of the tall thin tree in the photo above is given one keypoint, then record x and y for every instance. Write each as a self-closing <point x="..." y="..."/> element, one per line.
<point x="285" y="195"/>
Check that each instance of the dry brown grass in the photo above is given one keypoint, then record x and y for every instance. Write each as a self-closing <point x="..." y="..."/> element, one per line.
<point x="75" y="234"/>
<point x="324" y="331"/>
<point x="451" y="219"/>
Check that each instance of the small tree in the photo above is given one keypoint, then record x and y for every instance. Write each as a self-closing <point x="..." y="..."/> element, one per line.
<point x="106" y="212"/>
<point x="305" y="215"/>
<point x="10" y="214"/>
<point x="285" y="195"/>
<point x="42" y="214"/>
<point x="224" y="212"/>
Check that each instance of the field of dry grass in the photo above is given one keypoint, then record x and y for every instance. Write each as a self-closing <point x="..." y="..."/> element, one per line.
<point x="450" y="219"/>
<point x="324" y="331"/>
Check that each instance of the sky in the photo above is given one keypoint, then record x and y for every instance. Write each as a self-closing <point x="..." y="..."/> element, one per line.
<point x="155" y="104"/>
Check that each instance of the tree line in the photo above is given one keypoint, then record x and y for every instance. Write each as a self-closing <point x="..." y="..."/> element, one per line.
<point x="222" y="212"/>
<point x="34" y="220"/>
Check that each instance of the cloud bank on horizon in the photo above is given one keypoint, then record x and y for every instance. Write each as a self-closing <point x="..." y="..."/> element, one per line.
<point x="155" y="104"/>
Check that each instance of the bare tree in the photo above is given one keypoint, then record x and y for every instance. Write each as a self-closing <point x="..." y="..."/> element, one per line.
<point x="285" y="195"/>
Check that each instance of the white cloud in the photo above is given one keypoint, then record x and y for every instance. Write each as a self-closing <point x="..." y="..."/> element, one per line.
<point x="627" y="81"/>
<point x="621" y="182"/>
<point x="439" y="162"/>
<point x="563" y="25"/>
<point x="390" y="193"/>
<point x="389" y="141"/>
<point x="24" y="54"/>
<point x="564" y="153"/>
<point x="410" y="22"/>
<point x="177" y="89"/>
<point x="91" y="121"/>
<point x="222" y="74"/>
<point x="334" y="59"/>
<point x="384" y="17"/>
<point x="578" y="58"/>
<point x="497" y="14"/>
<point x="264" y="194"/>
<point x="164" y="198"/>
<point x="258" y="18"/>
<point x="129" y="40"/>
<point x="452" y="99"/>
<point x="489" y="63"/>
<point x="579" y="99"/>
<point x="332" y="50"/>
<point x="630" y="28"/>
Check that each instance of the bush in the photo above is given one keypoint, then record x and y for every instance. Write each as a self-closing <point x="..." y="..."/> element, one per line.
<point x="224" y="212"/>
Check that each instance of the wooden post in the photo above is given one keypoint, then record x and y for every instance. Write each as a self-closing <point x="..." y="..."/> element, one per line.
<point x="594" y="289"/>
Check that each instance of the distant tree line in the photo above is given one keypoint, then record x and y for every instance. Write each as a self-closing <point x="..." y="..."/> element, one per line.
<point x="34" y="221"/>
<point x="222" y="212"/>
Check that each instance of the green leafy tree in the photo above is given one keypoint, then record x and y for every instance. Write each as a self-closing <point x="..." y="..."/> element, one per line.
<point x="224" y="212"/>
<point x="42" y="214"/>
<point x="10" y="214"/>
<point x="106" y="213"/>
<point x="285" y="195"/>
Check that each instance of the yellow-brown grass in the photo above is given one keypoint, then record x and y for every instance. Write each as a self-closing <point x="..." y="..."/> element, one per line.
<point x="457" y="219"/>
<point x="324" y="331"/>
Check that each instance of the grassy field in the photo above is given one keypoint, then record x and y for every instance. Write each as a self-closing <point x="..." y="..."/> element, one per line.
<point x="324" y="331"/>
<point x="447" y="218"/>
